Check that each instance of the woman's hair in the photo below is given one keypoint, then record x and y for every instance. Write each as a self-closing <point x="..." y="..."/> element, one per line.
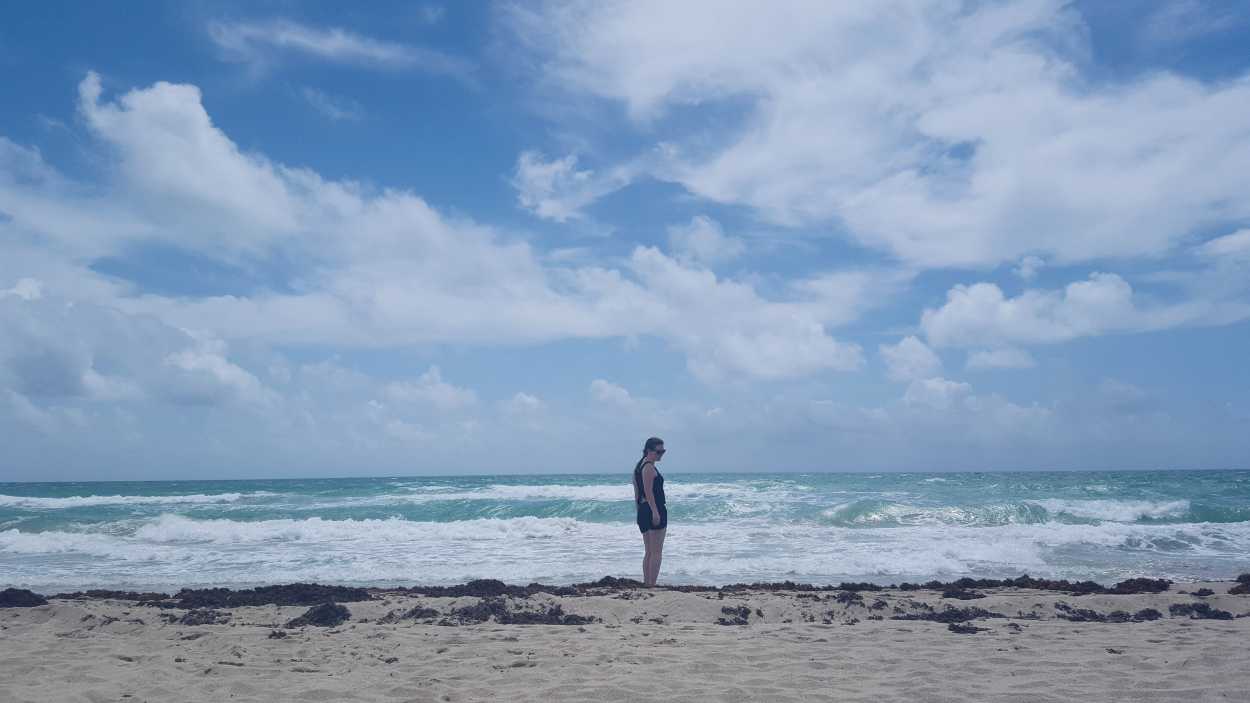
<point x="651" y="443"/>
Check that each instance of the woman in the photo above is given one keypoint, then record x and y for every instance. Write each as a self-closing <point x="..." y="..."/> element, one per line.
<point x="652" y="514"/>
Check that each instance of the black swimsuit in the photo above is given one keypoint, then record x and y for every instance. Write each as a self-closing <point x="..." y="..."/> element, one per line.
<point x="644" y="510"/>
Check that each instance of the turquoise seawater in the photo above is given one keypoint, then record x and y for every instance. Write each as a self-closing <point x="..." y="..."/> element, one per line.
<point x="820" y="528"/>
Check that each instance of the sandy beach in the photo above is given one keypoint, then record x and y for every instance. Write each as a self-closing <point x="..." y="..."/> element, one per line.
<point x="617" y="643"/>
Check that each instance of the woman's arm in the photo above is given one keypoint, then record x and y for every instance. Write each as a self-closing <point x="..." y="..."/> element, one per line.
<point x="648" y="478"/>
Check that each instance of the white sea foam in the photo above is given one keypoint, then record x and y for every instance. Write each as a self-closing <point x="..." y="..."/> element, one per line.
<point x="1116" y="510"/>
<point x="178" y="550"/>
<point x="597" y="492"/>
<point x="90" y="501"/>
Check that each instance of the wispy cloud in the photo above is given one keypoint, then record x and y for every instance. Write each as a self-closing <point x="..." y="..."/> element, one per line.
<point x="262" y="42"/>
<point x="336" y="108"/>
<point x="1185" y="20"/>
<point x="432" y="14"/>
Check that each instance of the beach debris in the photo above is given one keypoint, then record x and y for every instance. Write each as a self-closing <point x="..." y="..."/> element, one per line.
<point x="493" y="588"/>
<point x="1243" y="586"/>
<point x="1128" y="587"/>
<point x="277" y="634"/>
<point x="1199" y="611"/>
<point x="1203" y="592"/>
<point x="1067" y="612"/>
<point x="610" y="582"/>
<point x="849" y="598"/>
<point x="496" y="608"/>
<point x="160" y="600"/>
<point x="962" y="594"/>
<point x="737" y="616"/>
<point x="324" y="615"/>
<point x="20" y="598"/>
<point x="1112" y="650"/>
<point x="287" y="594"/>
<point x="964" y="629"/>
<point x="844" y="586"/>
<point x="951" y="615"/>
<point x="204" y="616"/>
<point x="415" y="613"/>
<point x="1140" y="585"/>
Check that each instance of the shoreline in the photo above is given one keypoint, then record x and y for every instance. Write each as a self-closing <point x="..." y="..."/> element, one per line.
<point x="609" y="640"/>
<point x="487" y="587"/>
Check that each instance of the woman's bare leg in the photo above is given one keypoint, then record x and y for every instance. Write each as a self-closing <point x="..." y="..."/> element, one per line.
<point x="646" y="557"/>
<point x="657" y="552"/>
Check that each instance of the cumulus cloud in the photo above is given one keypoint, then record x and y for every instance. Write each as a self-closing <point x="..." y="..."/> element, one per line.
<point x="910" y="359"/>
<point x="64" y="351"/>
<point x="1028" y="267"/>
<point x="703" y="241"/>
<point x="945" y="134"/>
<point x="385" y="268"/>
<point x="524" y="404"/>
<point x="430" y="388"/>
<point x="727" y="330"/>
<point x="980" y="315"/>
<point x="610" y="393"/>
<point x="937" y="393"/>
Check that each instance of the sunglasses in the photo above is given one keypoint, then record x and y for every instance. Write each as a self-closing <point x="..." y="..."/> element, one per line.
<point x="659" y="452"/>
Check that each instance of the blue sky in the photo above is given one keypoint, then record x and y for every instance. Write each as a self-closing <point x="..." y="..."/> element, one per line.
<point x="287" y="239"/>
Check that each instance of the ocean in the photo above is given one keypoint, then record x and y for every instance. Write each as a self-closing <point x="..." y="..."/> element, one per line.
<point x="724" y="528"/>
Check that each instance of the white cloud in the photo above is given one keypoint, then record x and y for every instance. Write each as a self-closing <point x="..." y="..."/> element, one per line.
<point x="207" y="374"/>
<point x="384" y="268"/>
<point x="25" y="288"/>
<point x="936" y="393"/>
<point x="1005" y="358"/>
<point x="703" y="242"/>
<point x="980" y="315"/>
<point x="335" y="108"/>
<point x="728" y="331"/>
<point x="610" y="393"/>
<point x="180" y="170"/>
<point x="262" y="41"/>
<point x="55" y="350"/>
<point x="1230" y="247"/>
<point x="910" y="359"/>
<point x="946" y="134"/>
<point x="524" y="404"/>
<point x="1185" y="20"/>
<point x="556" y="190"/>
<point x="431" y="389"/>
<point x="1028" y="267"/>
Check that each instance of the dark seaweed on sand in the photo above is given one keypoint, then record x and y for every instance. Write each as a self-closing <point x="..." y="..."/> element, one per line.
<point x="20" y="598"/>
<point x="288" y="594"/>
<point x="324" y="615"/>
<point x="1199" y="611"/>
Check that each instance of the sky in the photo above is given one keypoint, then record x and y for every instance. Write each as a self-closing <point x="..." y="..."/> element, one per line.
<point x="289" y="239"/>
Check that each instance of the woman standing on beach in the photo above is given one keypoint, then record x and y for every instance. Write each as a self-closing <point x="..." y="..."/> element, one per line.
<point x="652" y="513"/>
